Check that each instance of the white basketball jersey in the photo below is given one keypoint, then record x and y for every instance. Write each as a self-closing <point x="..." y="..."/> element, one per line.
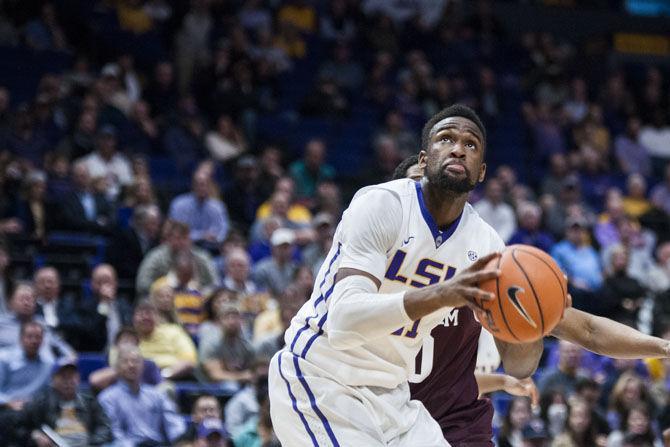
<point x="416" y="254"/>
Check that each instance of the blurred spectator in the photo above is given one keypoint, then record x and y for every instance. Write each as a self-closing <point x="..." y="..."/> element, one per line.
<point x="226" y="141"/>
<point x="270" y="325"/>
<point x="167" y="345"/>
<point x="637" y="424"/>
<point x="205" y="215"/>
<point x="337" y="23"/>
<point x="311" y="170"/>
<point x="518" y="416"/>
<point x="530" y="231"/>
<point x="192" y="42"/>
<point x="254" y="16"/>
<point x="229" y="358"/>
<point x="245" y="195"/>
<point x="24" y="140"/>
<point x="635" y="203"/>
<point x="342" y="69"/>
<point x="589" y="391"/>
<point x="211" y="433"/>
<point x="31" y="209"/>
<point x="265" y="51"/>
<point x="660" y="195"/>
<point x="47" y="295"/>
<point x="534" y="434"/>
<point x="580" y="430"/>
<point x="261" y="248"/>
<point x="632" y="156"/>
<point x="546" y="133"/>
<point x="387" y="158"/>
<point x="568" y="203"/>
<point x="577" y="257"/>
<point x="158" y="261"/>
<point x="396" y="128"/>
<point x="130" y="246"/>
<point x="300" y="14"/>
<point x="24" y="369"/>
<point x="139" y="413"/>
<point x="659" y="275"/>
<point x="606" y="231"/>
<point x="162" y="92"/>
<point x="276" y="272"/>
<point x="93" y="323"/>
<point x="107" y="163"/>
<point x="576" y="107"/>
<point x="565" y="376"/>
<point x="163" y="298"/>
<point x="245" y="404"/>
<point x="4" y="280"/>
<point x="21" y="310"/>
<point x="83" y="209"/>
<point x="115" y="104"/>
<point x="282" y="204"/>
<point x="188" y="294"/>
<point x="104" y="377"/>
<point x="205" y="407"/>
<point x="76" y="417"/>
<point x="132" y="17"/>
<point x="628" y="391"/>
<point x="326" y="100"/>
<point x="258" y="431"/>
<point x="622" y="294"/>
<point x="142" y="131"/>
<point x="315" y="253"/>
<point x="593" y="133"/>
<point x="656" y="138"/>
<point x="216" y="302"/>
<point x="58" y="180"/>
<point x="45" y="33"/>
<point x="238" y="269"/>
<point x="495" y="212"/>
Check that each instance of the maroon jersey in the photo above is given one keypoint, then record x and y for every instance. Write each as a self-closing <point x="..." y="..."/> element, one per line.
<point x="450" y="391"/>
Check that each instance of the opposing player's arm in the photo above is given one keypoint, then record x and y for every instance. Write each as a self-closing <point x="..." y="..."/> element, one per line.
<point x="357" y="311"/>
<point x="607" y="337"/>
<point x="520" y="360"/>
<point x="490" y="382"/>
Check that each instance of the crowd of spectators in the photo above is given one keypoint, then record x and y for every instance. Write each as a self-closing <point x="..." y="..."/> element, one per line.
<point x="213" y="230"/>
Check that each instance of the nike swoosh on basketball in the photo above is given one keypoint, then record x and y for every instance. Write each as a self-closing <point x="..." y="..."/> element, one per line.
<point x="511" y="294"/>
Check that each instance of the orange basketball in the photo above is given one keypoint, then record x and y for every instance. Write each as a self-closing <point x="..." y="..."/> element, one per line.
<point x="531" y="295"/>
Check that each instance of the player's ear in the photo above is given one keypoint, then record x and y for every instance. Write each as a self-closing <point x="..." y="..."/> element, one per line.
<point x="482" y="172"/>
<point x="422" y="160"/>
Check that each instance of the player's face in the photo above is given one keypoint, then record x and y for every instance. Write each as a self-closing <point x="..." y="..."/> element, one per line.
<point x="454" y="160"/>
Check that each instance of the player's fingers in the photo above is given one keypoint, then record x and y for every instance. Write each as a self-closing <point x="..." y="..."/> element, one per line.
<point x="481" y="262"/>
<point x="569" y="301"/>
<point x="482" y="276"/>
<point x="479" y="294"/>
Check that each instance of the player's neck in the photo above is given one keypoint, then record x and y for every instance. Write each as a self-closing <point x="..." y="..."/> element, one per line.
<point x="444" y="207"/>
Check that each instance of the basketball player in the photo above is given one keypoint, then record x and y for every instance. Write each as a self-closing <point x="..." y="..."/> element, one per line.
<point x="404" y="256"/>
<point x="449" y="387"/>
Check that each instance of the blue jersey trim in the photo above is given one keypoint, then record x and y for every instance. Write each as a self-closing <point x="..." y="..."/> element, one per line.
<point x="294" y="403"/>
<point x="439" y="236"/>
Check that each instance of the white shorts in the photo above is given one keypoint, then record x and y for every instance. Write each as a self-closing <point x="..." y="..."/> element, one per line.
<point x="309" y="408"/>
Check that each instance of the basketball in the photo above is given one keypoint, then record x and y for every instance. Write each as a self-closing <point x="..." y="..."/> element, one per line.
<point x="531" y="295"/>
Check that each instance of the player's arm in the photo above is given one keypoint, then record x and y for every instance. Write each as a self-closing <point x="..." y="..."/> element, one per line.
<point x="607" y="337"/>
<point x="357" y="311"/>
<point x="490" y="382"/>
<point x="520" y="359"/>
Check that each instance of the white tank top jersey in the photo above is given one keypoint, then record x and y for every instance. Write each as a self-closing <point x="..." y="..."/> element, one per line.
<point x="388" y="232"/>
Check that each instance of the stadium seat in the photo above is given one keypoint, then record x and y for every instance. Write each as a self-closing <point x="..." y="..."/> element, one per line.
<point x="88" y="362"/>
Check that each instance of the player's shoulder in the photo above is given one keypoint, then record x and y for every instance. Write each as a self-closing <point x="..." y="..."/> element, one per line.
<point x="395" y="189"/>
<point x="481" y="230"/>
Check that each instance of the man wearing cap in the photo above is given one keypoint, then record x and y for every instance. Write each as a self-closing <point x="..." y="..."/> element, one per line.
<point x="276" y="272"/>
<point x="205" y="406"/>
<point x="75" y="417"/>
<point x="107" y="163"/>
<point x="211" y="433"/>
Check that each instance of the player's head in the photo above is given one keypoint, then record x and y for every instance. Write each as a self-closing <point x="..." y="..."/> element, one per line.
<point x="408" y="168"/>
<point x="453" y="143"/>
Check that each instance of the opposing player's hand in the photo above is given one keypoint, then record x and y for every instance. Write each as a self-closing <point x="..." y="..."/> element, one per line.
<point x="522" y="387"/>
<point x="463" y="289"/>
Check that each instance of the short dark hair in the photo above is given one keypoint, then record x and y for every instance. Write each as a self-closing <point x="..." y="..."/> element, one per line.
<point x="127" y="330"/>
<point x="453" y="110"/>
<point x="401" y="170"/>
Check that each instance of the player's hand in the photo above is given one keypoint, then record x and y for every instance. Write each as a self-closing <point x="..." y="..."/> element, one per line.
<point x="522" y="387"/>
<point x="463" y="289"/>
